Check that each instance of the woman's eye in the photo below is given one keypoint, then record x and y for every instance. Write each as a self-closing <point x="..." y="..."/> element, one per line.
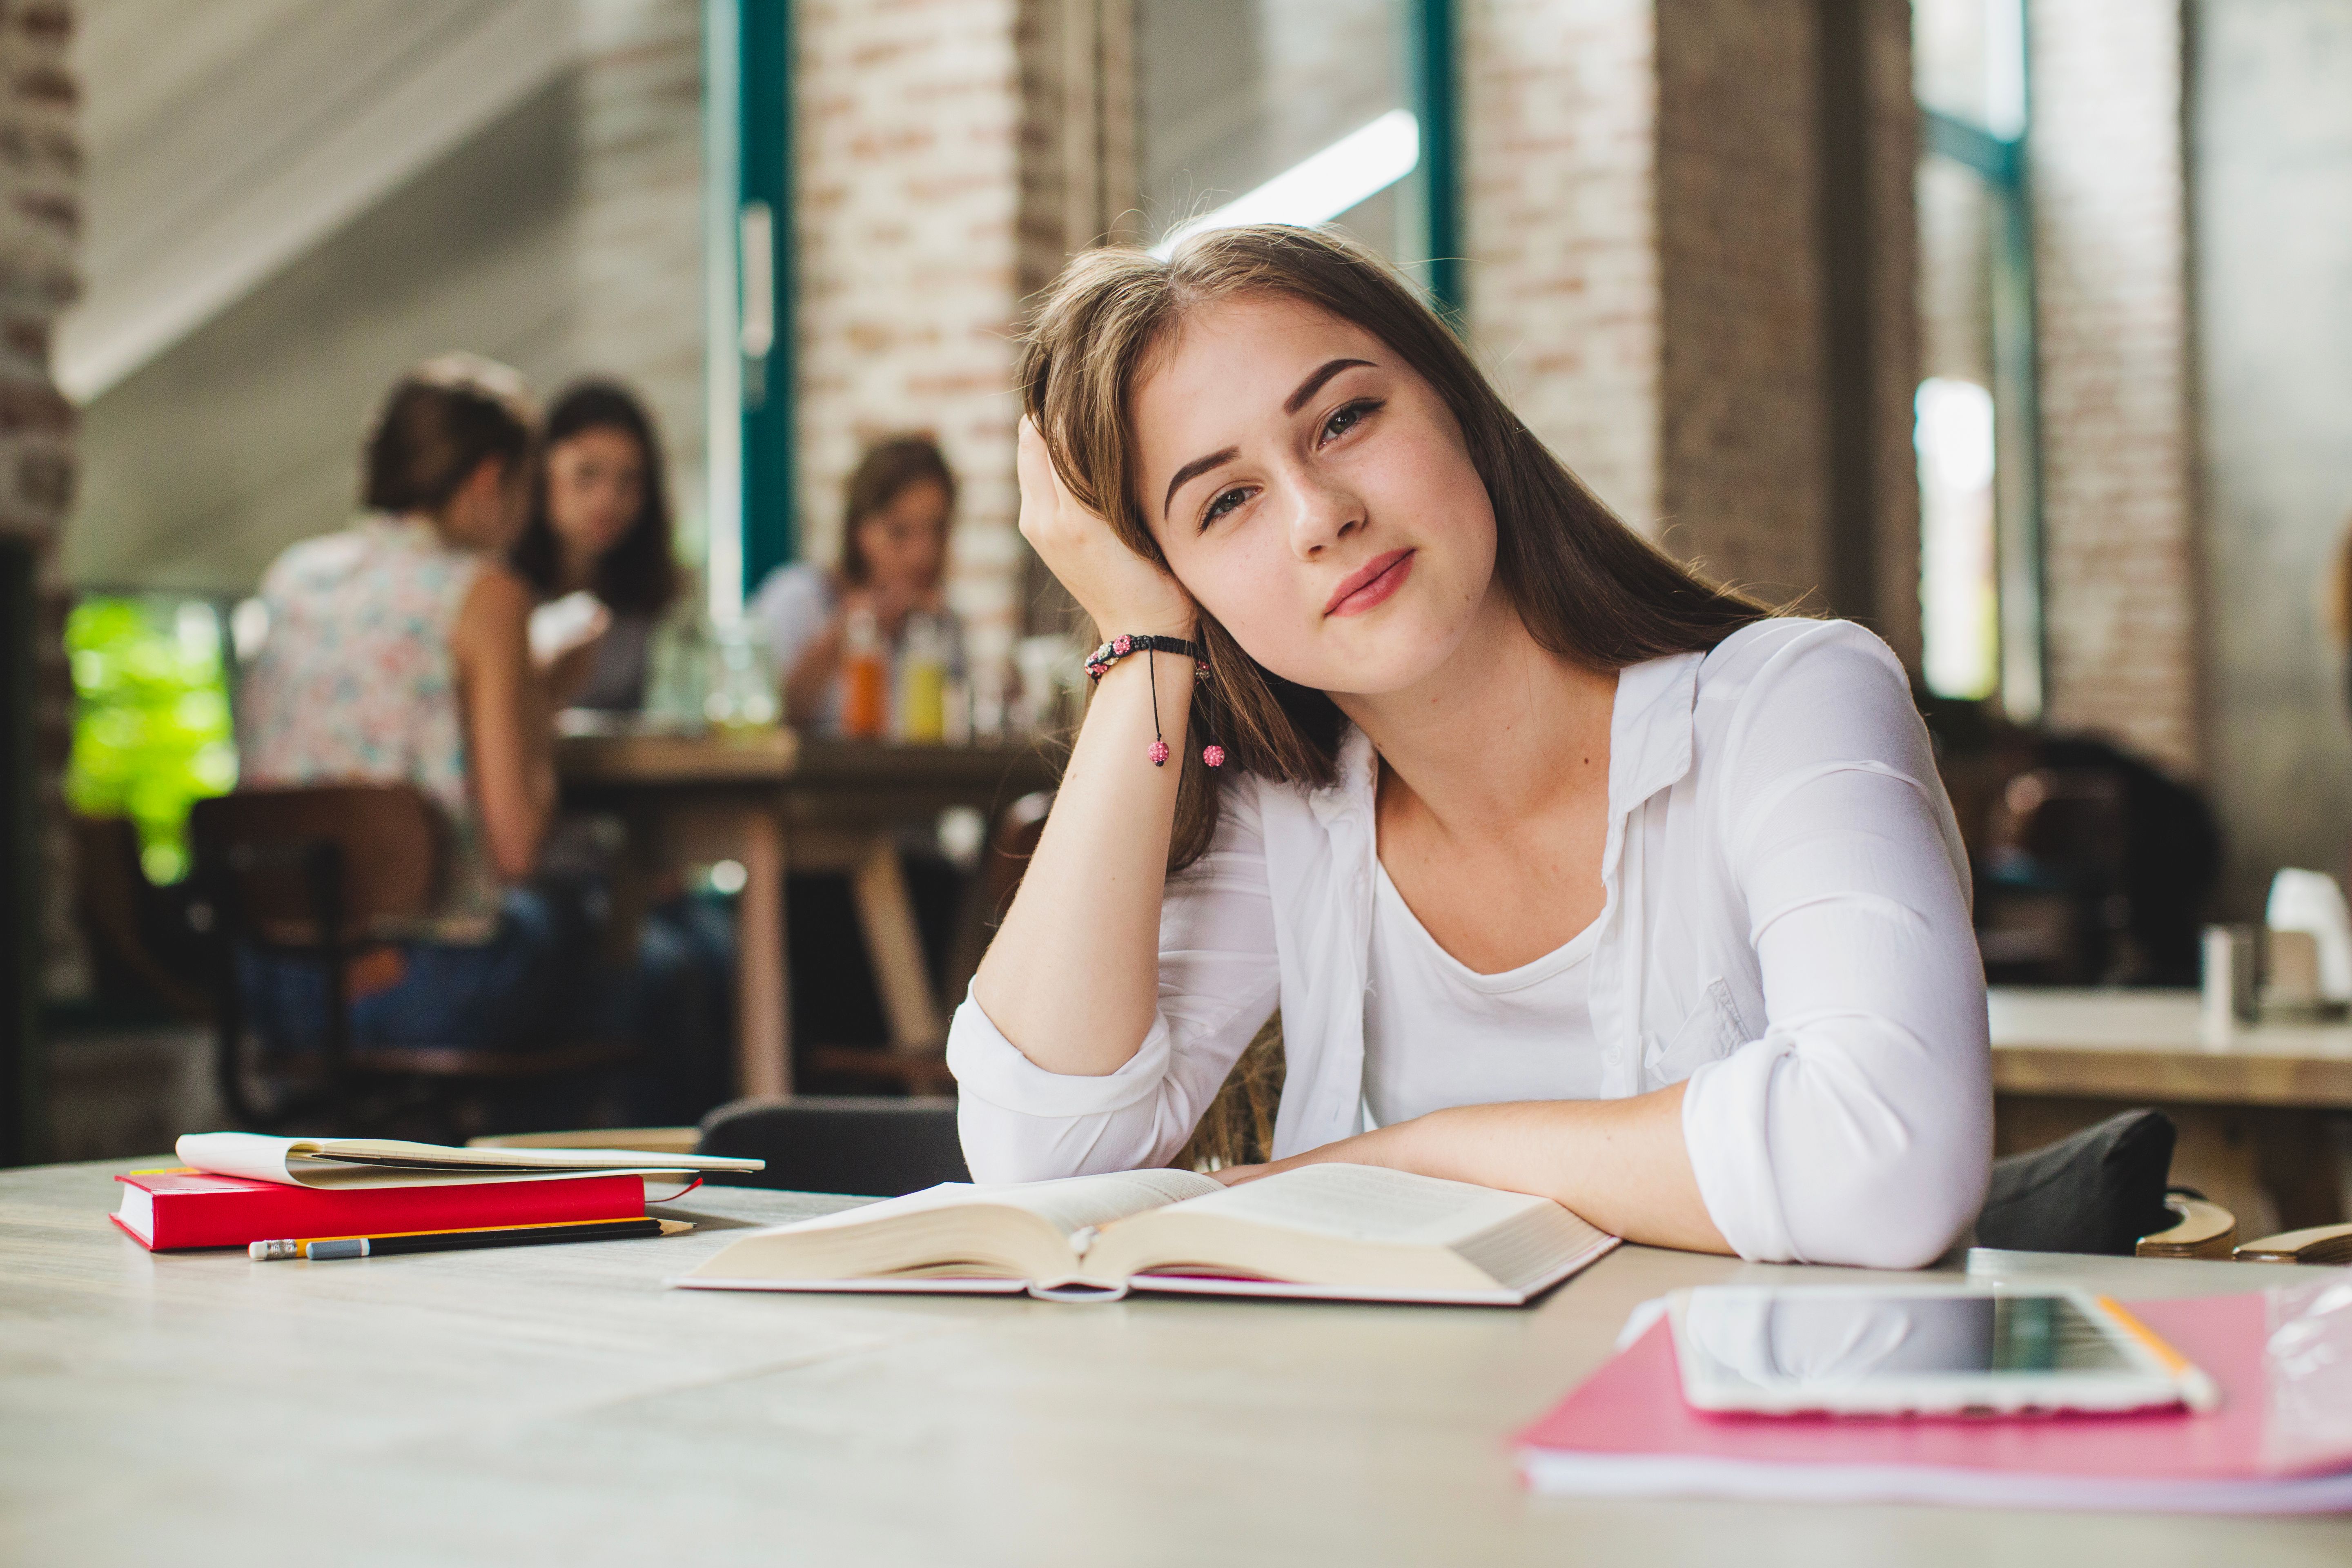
<point x="1224" y="502"/>
<point x="1346" y="419"/>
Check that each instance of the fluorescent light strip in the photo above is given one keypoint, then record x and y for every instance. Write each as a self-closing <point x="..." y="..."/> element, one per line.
<point x="1354" y="168"/>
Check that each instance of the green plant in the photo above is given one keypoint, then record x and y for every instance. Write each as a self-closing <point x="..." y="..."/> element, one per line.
<point x="152" y="728"/>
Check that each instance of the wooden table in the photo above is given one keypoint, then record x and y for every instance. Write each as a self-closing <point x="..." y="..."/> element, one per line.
<point x="773" y="801"/>
<point x="558" y="1404"/>
<point x="2252" y="1107"/>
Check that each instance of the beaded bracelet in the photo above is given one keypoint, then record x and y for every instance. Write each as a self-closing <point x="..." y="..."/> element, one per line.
<point x="1098" y="664"/>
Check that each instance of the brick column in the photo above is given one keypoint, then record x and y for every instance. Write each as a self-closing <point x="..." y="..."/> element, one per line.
<point x="2110" y="259"/>
<point x="1559" y="110"/>
<point x="1659" y="286"/>
<point x="909" y="194"/>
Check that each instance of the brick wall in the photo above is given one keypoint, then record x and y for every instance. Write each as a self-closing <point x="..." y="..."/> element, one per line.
<point x="1743" y="488"/>
<point x="908" y="125"/>
<point x="40" y="170"/>
<point x="1646" y="271"/>
<point x="2110" y="255"/>
<point x="1558" y="115"/>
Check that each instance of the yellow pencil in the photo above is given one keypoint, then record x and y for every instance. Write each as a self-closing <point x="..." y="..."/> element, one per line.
<point x="323" y="1247"/>
<point x="2198" y="1390"/>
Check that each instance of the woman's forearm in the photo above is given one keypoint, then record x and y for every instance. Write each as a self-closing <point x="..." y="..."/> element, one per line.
<point x="812" y="674"/>
<point x="1072" y="976"/>
<point x="1620" y="1163"/>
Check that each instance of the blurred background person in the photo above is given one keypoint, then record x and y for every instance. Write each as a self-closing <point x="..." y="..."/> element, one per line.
<point x="882" y="603"/>
<point x="397" y="653"/>
<point x="888" y="581"/>
<point x="597" y="546"/>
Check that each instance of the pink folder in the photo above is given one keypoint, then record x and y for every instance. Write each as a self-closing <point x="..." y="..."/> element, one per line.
<point x="2281" y="1442"/>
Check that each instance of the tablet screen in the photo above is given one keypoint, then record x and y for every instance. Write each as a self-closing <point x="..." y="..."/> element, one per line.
<point x="1781" y="1339"/>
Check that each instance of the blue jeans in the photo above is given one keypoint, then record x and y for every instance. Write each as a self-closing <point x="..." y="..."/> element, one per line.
<point x="507" y="993"/>
<point x="540" y="981"/>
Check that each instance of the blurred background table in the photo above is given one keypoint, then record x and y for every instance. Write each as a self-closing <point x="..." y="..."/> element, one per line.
<point x="2259" y="1112"/>
<point x="775" y="801"/>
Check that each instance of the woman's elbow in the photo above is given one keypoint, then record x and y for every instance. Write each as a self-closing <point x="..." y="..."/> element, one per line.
<point x="1907" y="1211"/>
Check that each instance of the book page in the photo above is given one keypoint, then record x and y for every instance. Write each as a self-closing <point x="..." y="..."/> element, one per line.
<point x="1367" y="1202"/>
<point x="1069" y="1204"/>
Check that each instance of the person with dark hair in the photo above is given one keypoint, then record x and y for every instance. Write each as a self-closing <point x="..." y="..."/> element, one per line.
<point x="397" y="653"/>
<point x="1566" y="870"/>
<point x="892" y="568"/>
<point x="599" y="529"/>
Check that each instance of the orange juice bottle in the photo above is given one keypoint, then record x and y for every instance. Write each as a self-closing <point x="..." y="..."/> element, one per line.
<point x="864" y="677"/>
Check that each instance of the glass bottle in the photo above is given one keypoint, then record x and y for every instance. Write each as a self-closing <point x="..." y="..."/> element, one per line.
<point x="864" y="677"/>
<point x="923" y="682"/>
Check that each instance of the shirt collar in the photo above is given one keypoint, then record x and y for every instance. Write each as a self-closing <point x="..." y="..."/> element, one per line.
<point x="1650" y="728"/>
<point x="1649" y="741"/>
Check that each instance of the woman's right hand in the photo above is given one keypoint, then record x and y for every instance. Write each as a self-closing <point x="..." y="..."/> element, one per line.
<point x="1122" y="591"/>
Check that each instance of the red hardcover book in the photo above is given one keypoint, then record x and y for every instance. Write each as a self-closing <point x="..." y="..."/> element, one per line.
<point x="169" y="1210"/>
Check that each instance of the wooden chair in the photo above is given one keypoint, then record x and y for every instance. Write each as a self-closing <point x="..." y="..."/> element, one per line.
<point x="332" y="874"/>
<point x="921" y="1068"/>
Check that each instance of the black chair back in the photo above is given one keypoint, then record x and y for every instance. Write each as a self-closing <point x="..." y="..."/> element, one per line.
<point x="2099" y="1190"/>
<point x="878" y="1148"/>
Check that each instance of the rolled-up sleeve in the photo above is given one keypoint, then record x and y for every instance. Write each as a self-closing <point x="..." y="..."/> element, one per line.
<point x="1859" y="1129"/>
<point x="1219" y="981"/>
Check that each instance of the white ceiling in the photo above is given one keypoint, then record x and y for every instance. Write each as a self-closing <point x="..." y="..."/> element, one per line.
<point x="225" y="138"/>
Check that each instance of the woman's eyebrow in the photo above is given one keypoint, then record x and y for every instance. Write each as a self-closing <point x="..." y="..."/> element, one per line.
<point x="1291" y="404"/>
<point x="1193" y="470"/>
<point x="1314" y="383"/>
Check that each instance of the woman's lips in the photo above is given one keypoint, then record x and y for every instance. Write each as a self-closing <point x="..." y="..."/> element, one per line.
<point x="1371" y="585"/>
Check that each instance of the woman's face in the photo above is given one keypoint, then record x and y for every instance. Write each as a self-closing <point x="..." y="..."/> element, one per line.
<point x="1313" y="494"/>
<point x="905" y="542"/>
<point x="595" y="487"/>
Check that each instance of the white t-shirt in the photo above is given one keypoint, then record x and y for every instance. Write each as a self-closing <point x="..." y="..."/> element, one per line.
<point x="1439" y="1034"/>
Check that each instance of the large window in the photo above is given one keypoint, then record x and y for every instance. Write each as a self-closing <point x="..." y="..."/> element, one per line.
<point x="1981" y="554"/>
<point x="1301" y="111"/>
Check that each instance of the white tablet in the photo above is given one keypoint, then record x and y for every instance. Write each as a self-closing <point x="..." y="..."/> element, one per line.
<point x="1920" y="1350"/>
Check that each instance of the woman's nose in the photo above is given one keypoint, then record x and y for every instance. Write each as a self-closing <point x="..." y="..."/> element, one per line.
<point x="1321" y="517"/>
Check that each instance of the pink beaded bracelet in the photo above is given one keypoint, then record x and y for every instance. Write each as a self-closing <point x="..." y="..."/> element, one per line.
<point x="1098" y="664"/>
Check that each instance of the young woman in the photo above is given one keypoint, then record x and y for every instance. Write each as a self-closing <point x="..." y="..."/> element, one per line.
<point x="397" y="653"/>
<point x="1568" y="871"/>
<point x="599" y="526"/>
<point x="893" y="566"/>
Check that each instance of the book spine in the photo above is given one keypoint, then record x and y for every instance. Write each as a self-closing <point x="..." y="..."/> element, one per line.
<point x="195" y="1219"/>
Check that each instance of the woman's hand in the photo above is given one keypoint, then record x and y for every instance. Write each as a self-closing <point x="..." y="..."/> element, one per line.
<point x="1121" y="590"/>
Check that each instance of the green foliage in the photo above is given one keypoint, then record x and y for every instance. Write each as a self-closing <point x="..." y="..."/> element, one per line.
<point x="152" y="728"/>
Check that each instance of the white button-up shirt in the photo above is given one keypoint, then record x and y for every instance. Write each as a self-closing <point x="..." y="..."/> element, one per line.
<point x="1786" y="927"/>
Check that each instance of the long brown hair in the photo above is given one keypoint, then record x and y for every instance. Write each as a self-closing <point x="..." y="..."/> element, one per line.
<point x="437" y="424"/>
<point x="639" y="575"/>
<point x="1588" y="587"/>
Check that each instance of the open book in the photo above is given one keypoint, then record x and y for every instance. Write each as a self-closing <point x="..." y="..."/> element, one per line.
<point x="1349" y="1232"/>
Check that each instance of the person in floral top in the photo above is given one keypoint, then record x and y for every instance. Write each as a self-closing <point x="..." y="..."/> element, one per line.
<point x="397" y="653"/>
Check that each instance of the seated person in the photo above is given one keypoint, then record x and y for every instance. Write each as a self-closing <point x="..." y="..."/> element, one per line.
<point x="599" y="525"/>
<point x="396" y="654"/>
<point x="1568" y="871"/>
<point x="893" y="566"/>
<point x="598" y="532"/>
